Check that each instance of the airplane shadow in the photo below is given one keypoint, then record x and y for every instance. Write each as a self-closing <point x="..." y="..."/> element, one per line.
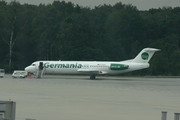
<point x="114" y="79"/>
<point x="98" y="78"/>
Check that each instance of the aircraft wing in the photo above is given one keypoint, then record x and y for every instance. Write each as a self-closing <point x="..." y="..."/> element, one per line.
<point x="91" y="71"/>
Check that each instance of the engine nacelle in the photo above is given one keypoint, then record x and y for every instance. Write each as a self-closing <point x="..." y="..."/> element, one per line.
<point x="119" y="66"/>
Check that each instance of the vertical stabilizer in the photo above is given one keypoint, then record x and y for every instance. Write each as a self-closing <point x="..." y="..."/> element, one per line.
<point x="145" y="55"/>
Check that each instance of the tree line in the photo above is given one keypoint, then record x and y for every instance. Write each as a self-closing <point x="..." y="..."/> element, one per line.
<point x="65" y="31"/>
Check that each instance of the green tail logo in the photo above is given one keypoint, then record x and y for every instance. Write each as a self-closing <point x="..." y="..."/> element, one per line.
<point x="144" y="56"/>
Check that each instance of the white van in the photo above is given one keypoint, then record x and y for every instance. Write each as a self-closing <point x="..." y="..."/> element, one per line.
<point x="2" y="72"/>
<point x="19" y="74"/>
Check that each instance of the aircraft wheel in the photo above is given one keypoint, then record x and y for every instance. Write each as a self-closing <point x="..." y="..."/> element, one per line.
<point x="92" y="77"/>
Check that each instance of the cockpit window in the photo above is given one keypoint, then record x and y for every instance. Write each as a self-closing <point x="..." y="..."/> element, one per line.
<point x="33" y="65"/>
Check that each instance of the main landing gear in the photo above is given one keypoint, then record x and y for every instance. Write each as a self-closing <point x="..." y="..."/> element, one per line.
<point x="92" y="77"/>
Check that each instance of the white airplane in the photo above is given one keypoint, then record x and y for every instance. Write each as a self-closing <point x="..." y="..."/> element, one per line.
<point x="93" y="68"/>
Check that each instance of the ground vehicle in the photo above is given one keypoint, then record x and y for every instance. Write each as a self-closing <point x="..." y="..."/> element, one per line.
<point x="2" y="72"/>
<point x="19" y="74"/>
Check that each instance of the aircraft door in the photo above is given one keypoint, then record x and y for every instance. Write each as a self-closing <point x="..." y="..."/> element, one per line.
<point x="40" y="65"/>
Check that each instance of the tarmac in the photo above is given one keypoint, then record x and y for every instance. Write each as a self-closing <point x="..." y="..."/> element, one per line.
<point x="63" y="97"/>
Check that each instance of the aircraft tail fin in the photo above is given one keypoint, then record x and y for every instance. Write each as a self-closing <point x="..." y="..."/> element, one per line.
<point x="145" y="55"/>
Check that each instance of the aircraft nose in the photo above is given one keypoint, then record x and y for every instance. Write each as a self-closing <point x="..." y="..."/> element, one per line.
<point x="30" y="69"/>
<point x="26" y="69"/>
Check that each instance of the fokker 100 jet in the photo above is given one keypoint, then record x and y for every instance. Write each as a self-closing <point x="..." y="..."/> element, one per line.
<point x="93" y="68"/>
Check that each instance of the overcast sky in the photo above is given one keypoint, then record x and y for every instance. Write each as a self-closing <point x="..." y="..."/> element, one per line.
<point x="140" y="4"/>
